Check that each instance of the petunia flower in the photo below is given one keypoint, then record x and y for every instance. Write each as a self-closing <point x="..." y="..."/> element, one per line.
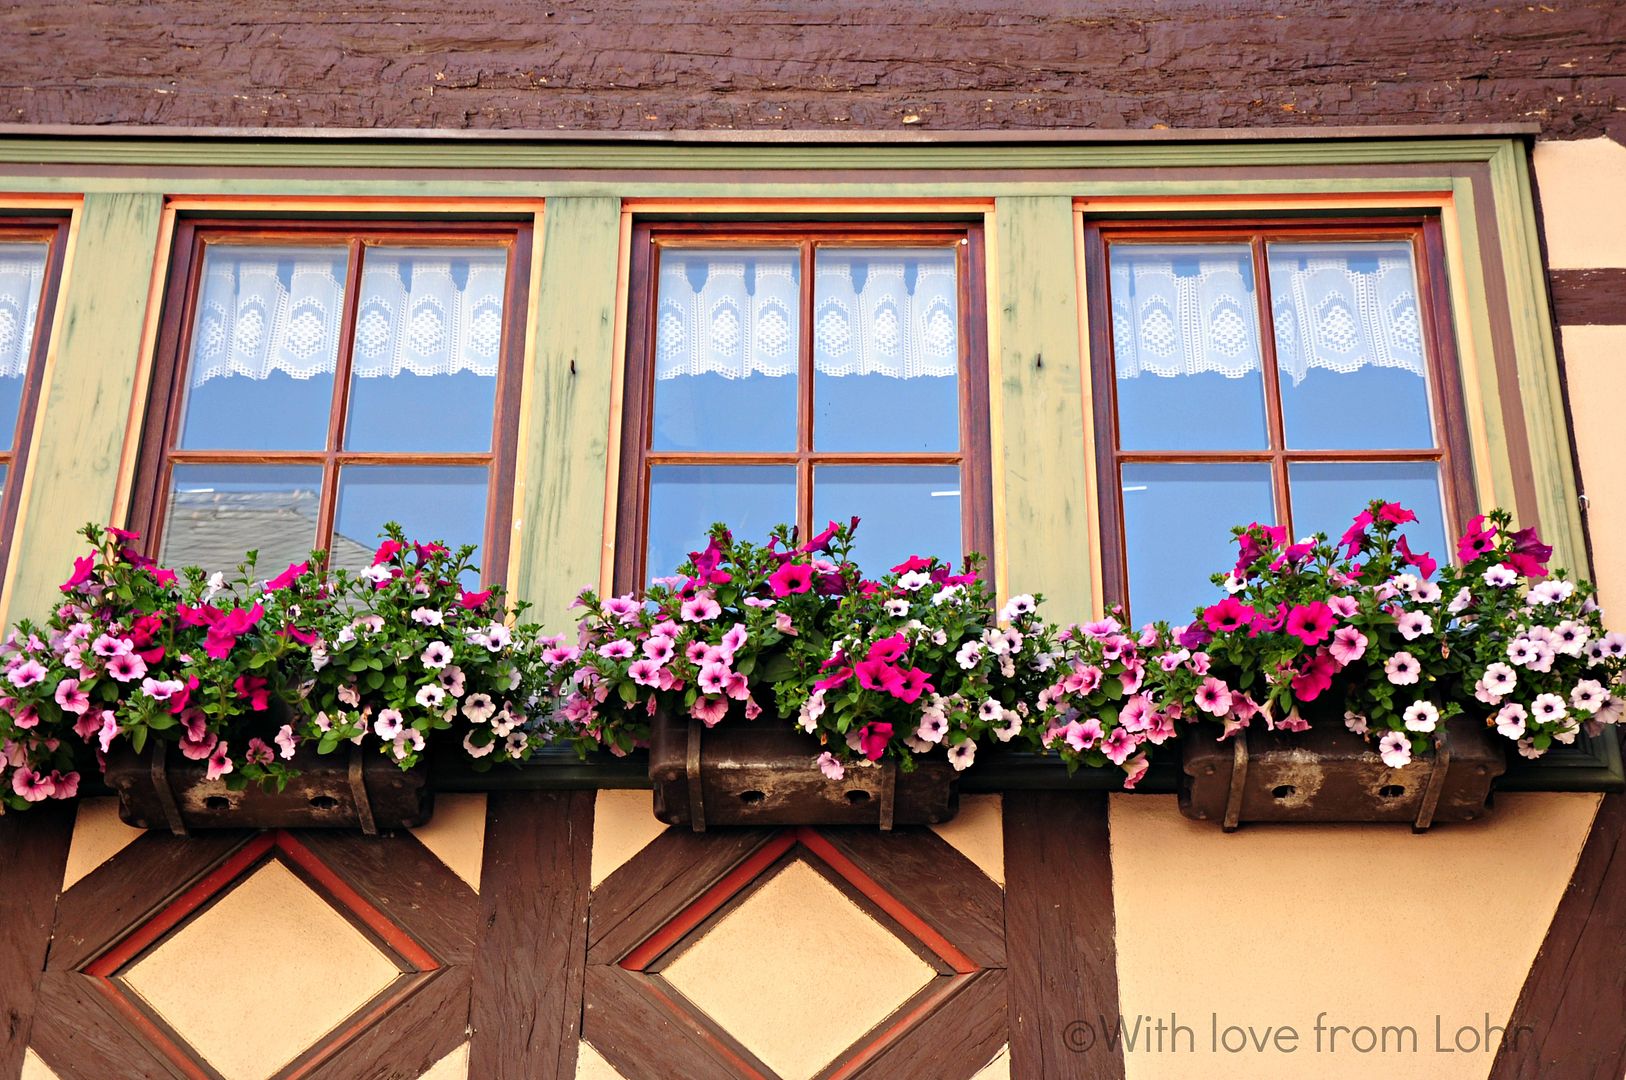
<point x="831" y="767"/>
<point x="1348" y="645"/>
<point x="1421" y="716"/>
<point x="1395" y="749"/>
<point x="1310" y="623"/>
<point x="790" y="579"/>
<point x="30" y="785"/>
<point x="219" y="762"/>
<point x="709" y="710"/>
<point x="962" y="754"/>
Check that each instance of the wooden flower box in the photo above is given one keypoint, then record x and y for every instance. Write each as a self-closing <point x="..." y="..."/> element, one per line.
<point x="764" y="773"/>
<point x="1329" y="774"/>
<point x="358" y="789"/>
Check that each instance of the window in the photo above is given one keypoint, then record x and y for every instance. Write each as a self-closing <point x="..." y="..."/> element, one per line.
<point x="1284" y="372"/>
<point x="315" y="381"/>
<point x="788" y="373"/>
<point x="30" y="264"/>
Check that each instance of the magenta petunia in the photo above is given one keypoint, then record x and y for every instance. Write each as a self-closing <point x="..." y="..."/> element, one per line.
<point x="872" y="739"/>
<point x="1311" y="623"/>
<point x="1227" y="615"/>
<point x="790" y="579"/>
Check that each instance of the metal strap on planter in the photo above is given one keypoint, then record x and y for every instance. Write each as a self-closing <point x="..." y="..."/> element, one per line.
<point x="358" y="792"/>
<point x="697" y="797"/>
<point x="1436" y="783"/>
<point x="1239" y="782"/>
<point x="166" y="794"/>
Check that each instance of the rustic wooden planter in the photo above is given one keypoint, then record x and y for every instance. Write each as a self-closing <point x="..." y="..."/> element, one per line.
<point x="764" y="773"/>
<point x="1329" y="774"/>
<point x="358" y="789"/>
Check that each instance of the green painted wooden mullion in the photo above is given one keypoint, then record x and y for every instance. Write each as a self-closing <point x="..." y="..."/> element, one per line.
<point x="559" y="497"/>
<point x="1039" y="372"/>
<point x="86" y="403"/>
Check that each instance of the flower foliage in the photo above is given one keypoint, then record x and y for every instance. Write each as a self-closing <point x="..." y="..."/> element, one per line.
<point x="1363" y="632"/>
<point x="911" y="663"/>
<point x="240" y="672"/>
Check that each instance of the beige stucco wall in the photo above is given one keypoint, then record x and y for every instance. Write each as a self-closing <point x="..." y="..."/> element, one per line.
<point x="1270" y="927"/>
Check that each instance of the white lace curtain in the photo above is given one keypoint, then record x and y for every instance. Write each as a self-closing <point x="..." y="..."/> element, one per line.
<point x="429" y="311"/>
<point x="738" y="314"/>
<point x="1190" y="311"/>
<point x="22" y="277"/>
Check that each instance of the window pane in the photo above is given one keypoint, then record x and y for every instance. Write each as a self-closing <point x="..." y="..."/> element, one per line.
<point x="1326" y="495"/>
<point x="1349" y="346"/>
<point x="2" y="482"/>
<point x="1177" y="531"/>
<point x="886" y="349"/>
<point x="265" y="345"/>
<point x="727" y="335"/>
<point x="428" y="342"/>
<point x="903" y="510"/>
<point x="219" y="512"/>
<point x="1185" y="346"/>
<point x="685" y="500"/>
<point x="431" y="502"/>
<point x="22" y="279"/>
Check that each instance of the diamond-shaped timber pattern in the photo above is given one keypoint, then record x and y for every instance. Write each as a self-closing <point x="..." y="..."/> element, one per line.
<point x="348" y="954"/>
<point x="707" y="955"/>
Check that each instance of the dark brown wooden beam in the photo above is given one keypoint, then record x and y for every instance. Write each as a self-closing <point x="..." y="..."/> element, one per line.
<point x="1060" y="937"/>
<point x="1567" y="1021"/>
<point x="531" y="947"/>
<point x="33" y="851"/>
<point x="1589" y="297"/>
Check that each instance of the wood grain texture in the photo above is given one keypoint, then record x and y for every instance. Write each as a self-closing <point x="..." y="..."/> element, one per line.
<point x="33" y="851"/>
<point x="525" y="1016"/>
<point x="120" y="893"/>
<point x="1060" y="933"/>
<point x="935" y="882"/>
<point x="632" y="1029"/>
<point x="667" y="875"/>
<point x="1588" y="297"/>
<point x="955" y="1041"/>
<point x="559" y="494"/>
<point x="87" y="397"/>
<point x="409" y="885"/>
<point x="411" y="1037"/>
<point x="79" y="1033"/>
<point x="1037" y="403"/>
<point x="1567" y="1020"/>
<point x="658" y="66"/>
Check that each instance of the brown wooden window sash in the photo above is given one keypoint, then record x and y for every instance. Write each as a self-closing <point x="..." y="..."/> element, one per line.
<point x="53" y="232"/>
<point x="1451" y="442"/>
<point x="637" y="457"/>
<point x="159" y="453"/>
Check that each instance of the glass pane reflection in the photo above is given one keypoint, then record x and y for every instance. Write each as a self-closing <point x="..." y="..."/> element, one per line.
<point x="22" y="284"/>
<point x="727" y="335"/>
<point x="1185" y="343"/>
<point x="1326" y="495"/>
<point x="1177" y="531"/>
<point x="886" y="349"/>
<point x="217" y="512"/>
<point x="429" y="328"/>
<point x="430" y="502"/>
<point x="264" y="347"/>
<point x="1349" y="346"/>
<point x="685" y="500"/>
<point x="903" y="510"/>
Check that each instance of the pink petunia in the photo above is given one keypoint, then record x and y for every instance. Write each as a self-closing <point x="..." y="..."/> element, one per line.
<point x="1214" y="697"/>
<point x="1229" y="614"/>
<point x="219" y="762"/>
<point x="32" y="786"/>
<point x="872" y="739"/>
<point x="70" y="698"/>
<point x="1311" y="623"/>
<point x="288" y="577"/>
<point x="830" y="767"/>
<point x="1118" y="746"/>
<point x="709" y="710"/>
<point x="790" y="579"/>
<point x="258" y="753"/>
<point x="700" y="608"/>
<point x="1348" y="645"/>
<point x="286" y="741"/>
<point x="83" y="569"/>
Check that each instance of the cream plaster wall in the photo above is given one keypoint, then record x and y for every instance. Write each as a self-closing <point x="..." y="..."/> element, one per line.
<point x="1595" y="361"/>
<point x="1583" y="202"/>
<point x="98" y="835"/>
<point x="1369" y="925"/>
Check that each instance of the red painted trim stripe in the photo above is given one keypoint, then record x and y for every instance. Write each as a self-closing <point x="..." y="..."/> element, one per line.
<point x="923" y="1008"/>
<point x="155" y="1035"/>
<point x="128" y="948"/>
<point x="937" y="943"/>
<point x="653" y="987"/>
<point x="640" y="958"/>
<point x="376" y="921"/>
